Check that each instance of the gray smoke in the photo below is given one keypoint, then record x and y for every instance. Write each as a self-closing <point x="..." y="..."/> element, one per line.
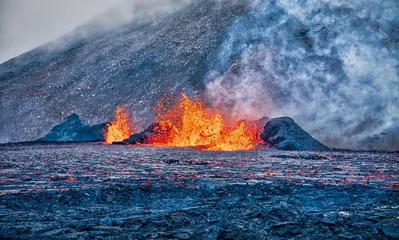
<point x="331" y="65"/>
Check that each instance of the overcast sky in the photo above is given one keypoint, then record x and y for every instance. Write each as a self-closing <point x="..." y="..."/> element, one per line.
<point x="26" y="24"/>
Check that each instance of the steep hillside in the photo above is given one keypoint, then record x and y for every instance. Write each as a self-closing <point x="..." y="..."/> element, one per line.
<point x="333" y="66"/>
<point x="133" y="65"/>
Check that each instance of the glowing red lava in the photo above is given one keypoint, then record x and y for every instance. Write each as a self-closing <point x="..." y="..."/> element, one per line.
<point x="120" y="129"/>
<point x="188" y="125"/>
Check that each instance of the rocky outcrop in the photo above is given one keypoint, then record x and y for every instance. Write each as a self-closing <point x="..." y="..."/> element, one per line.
<point x="285" y="134"/>
<point x="144" y="136"/>
<point x="72" y="129"/>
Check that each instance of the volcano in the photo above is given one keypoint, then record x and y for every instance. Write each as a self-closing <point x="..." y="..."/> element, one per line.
<point x="133" y="65"/>
<point x="208" y="165"/>
<point x="319" y="63"/>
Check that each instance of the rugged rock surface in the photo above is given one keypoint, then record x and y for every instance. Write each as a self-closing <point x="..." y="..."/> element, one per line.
<point x="72" y="129"/>
<point x="95" y="191"/>
<point x="136" y="138"/>
<point x="144" y="136"/>
<point x="285" y="134"/>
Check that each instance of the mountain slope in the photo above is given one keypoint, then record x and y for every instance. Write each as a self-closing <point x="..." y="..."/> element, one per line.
<point x="133" y="65"/>
<point x="333" y="66"/>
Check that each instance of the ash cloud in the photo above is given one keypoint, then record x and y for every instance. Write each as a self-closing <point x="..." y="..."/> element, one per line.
<point x="241" y="92"/>
<point x="331" y="65"/>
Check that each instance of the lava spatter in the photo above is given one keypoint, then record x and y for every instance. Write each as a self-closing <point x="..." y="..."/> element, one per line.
<point x="120" y="129"/>
<point x="188" y="125"/>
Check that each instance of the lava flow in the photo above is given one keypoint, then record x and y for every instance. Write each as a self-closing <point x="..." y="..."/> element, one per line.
<point x="188" y="125"/>
<point x="120" y="129"/>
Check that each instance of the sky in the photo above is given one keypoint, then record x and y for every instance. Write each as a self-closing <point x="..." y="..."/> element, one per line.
<point x="27" y="24"/>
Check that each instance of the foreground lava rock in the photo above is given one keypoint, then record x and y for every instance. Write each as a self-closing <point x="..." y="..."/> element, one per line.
<point x="285" y="134"/>
<point x="72" y="129"/>
<point x="93" y="191"/>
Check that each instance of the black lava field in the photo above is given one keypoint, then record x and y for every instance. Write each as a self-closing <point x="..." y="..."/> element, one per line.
<point x="95" y="191"/>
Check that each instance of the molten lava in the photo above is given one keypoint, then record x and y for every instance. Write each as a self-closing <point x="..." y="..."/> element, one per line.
<point x="120" y="129"/>
<point x="187" y="124"/>
<point x="255" y="127"/>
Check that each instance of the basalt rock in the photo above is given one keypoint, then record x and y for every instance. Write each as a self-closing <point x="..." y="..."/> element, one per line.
<point x="285" y="134"/>
<point x="72" y="129"/>
<point x="144" y="136"/>
<point x="136" y="138"/>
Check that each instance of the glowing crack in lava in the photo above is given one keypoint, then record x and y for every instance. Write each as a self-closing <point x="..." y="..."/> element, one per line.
<point x="188" y="125"/>
<point x="120" y="129"/>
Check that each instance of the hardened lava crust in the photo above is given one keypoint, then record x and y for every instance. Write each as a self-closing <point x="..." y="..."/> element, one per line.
<point x="89" y="191"/>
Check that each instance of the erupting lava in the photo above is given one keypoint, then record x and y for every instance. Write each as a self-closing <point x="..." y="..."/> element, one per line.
<point x="120" y="129"/>
<point x="187" y="124"/>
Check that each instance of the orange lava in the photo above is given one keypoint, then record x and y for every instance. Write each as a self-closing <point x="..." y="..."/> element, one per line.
<point x="188" y="125"/>
<point x="255" y="128"/>
<point x="120" y="129"/>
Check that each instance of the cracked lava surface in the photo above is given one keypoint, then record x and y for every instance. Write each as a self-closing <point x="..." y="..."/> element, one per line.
<point x="69" y="191"/>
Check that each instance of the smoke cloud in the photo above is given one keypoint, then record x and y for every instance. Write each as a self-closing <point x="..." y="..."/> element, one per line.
<point x="331" y="65"/>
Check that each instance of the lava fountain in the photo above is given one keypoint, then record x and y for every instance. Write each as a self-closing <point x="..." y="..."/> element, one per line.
<point x="120" y="129"/>
<point x="187" y="124"/>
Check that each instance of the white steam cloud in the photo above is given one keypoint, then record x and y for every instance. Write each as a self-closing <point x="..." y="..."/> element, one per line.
<point x="331" y="65"/>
